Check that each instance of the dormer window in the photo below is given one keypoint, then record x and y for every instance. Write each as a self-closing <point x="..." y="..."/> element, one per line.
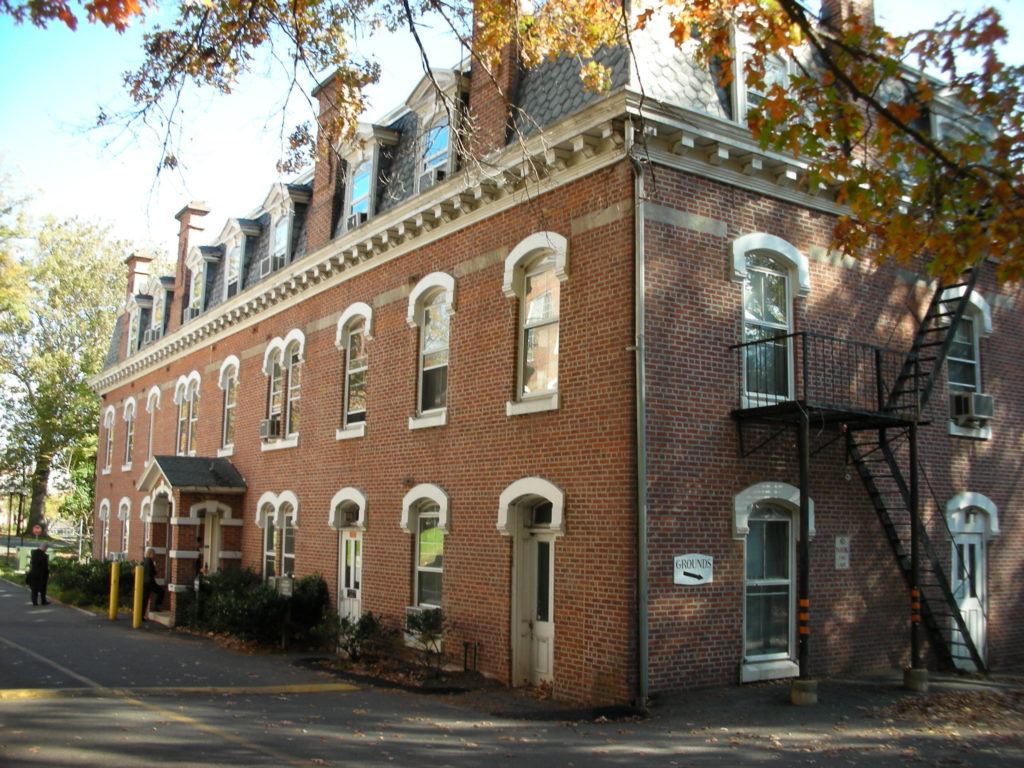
<point x="280" y="205"/>
<point x="777" y="71"/>
<point x="279" y="254"/>
<point x="434" y="156"/>
<point x="233" y="269"/>
<point x="359" y="200"/>
<point x="133" y="332"/>
<point x="197" y="263"/>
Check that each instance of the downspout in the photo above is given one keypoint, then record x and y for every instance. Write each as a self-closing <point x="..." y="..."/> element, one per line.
<point x="639" y="313"/>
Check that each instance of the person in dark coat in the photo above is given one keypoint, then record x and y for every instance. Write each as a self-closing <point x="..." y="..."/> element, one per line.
<point x="39" y="574"/>
<point x="149" y="585"/>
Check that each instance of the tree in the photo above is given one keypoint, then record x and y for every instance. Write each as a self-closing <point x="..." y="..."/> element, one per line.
<point x="74" y="291"/>
<point x="854" y="112"/>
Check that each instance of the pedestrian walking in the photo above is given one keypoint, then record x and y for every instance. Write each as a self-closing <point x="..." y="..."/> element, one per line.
<point x="149" y="585"/>
<point x="39" y="574"/>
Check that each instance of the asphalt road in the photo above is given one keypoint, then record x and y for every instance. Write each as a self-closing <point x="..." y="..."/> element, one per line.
<point x="78" y="690"/>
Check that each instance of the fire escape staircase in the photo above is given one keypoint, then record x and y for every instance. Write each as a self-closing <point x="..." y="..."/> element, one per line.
<point x="881" y="459"/>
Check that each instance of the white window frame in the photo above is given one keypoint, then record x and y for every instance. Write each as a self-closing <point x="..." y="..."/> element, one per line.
<point x="228" y="383"/>
<point x="108" y="445"/>
<point x="356" y="313"/>
<point x="426" y="166"/>
<point x="134" y="333"/>
<point x="979" y="313"/>
<point x="422" y="502"/>
<point x="741" y="101"/>
<point x="234" y="256"/>
<point x="370" y="162"/>
<point x="426" y="290"/>
<point x="152" y="406"/>
<point x="196" y="265"/>
<point x="745" y="504"/>
<point x="103" y="517"/>
<point x="538" y="252"/>
<point x="186" y="397"/>
<point x="282" y="365"/>
<point x="124" y="514"/>
<point x="282" y="512"/>
<point x="128" y="414"/>
<point x="156" y="319"/>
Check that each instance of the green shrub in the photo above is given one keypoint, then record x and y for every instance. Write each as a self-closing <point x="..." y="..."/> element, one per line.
<point x="88" y="584"/>
<point x="426" y="628"/>
<point x="366" y="637"/>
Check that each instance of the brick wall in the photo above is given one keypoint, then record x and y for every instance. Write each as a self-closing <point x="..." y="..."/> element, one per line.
<point x="859" y="616"/>
<point x="585" y="448"/>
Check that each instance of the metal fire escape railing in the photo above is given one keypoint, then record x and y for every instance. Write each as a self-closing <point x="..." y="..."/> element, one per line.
<point x="849" y="383"/>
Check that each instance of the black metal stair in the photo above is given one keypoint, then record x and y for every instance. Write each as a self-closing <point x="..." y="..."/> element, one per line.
<point x="879" y="454"/>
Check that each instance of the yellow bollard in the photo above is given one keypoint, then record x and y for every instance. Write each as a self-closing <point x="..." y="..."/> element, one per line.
<point x="115" y="581"/>
<point x="137" y="602"/>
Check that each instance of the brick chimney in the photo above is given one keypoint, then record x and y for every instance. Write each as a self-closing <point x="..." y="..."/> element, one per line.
<point x="323" y="207"/>
<point x="193" y="210"/>
<point x="138" y="272"/>
<point x="491" y="96"/>
<point x="835" y="12"/>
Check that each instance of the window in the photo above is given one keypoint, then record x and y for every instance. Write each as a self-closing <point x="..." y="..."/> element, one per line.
<point x="152" y="404"/>
<point x="348" y="510"/>
<point x="351" y="338"/>
<point x="129" y="433"/>
<point x="767" y="519"/>
<point x="282" y="364"/>
<point x="430" y="311"/>
<point x="282" y="230"/>
<point x="434" y="154"/>
<point x="277" y="515"/>
<point x="229" y="384"/>
<point x="359" y="204"/>
<point x="195" y="293"/>
<point x="124" y="514"/>
<point x="269" y="550"/>
<point x="133" y="332"/>
<point x="970" y="408"/>
<point x="425" y="516"/>
<point x="534" y="273"/>
<point x="103" y="528"/>
<point x="777" y="71"/>
<point x="769" y="585"/>
<point x="108" y="445"/>
<point x="429" y="557"/>
<point x="766" y="320"/>
<point x="186" y="396"/>
<point x="233" y="268"/>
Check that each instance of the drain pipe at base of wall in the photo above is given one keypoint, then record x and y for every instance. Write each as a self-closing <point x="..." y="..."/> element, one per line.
<point x="641" y="421"/>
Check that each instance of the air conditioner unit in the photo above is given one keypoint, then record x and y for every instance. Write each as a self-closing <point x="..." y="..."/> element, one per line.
<point x="191" y="313"/>
<point x="265" y="266"/>
<point x="356" y="219"/>
<point x="415" y="610"/>
<point x="151" y="335"/>
<point x="270" y="428"/>
<point x="971" y="408"/>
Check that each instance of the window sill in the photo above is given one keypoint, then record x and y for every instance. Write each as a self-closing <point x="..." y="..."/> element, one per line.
<point x="978" y="433"/>
<point x="105" y="471"/>
<point x="230" y="555"/>
<point x="436" y="418"/>
<point x="755" y="671"/>
<point x="534" y="404"/>
<point x="126" y="467"/>
<point x="352" y="430"/>
<point x="227" y="450"/>
<point x="280" y="445"/>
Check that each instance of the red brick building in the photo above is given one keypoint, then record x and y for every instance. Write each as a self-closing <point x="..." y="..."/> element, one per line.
<point x="511" y="389"/>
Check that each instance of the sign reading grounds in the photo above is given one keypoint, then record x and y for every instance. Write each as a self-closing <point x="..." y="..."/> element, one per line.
<point x="690" y="570"/>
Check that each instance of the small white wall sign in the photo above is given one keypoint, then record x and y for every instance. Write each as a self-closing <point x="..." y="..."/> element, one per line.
<point x="691" y="570"/>
<point x="842" y="553"/>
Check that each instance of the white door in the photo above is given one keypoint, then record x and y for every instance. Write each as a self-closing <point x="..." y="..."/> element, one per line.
<point x="211" y="542"/>
<point x="350" y="574"/>
<point x="968" y="585"/>
<point x="534" y="626"/>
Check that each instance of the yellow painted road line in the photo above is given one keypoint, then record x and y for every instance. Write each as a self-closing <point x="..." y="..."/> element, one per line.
<point x="12" y="694"/>
<point x="127" y="695"/>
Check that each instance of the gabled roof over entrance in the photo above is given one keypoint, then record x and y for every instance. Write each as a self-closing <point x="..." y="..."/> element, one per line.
<point x="193" y="473"/>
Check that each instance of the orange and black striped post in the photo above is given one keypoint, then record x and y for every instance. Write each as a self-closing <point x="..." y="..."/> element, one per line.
<point x="804" y="583"/>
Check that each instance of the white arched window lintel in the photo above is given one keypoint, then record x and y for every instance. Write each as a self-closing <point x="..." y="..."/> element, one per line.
<point x="420" y="493"/>
<point x="761" y="241"/>
<point x="782" y="493"/>
<point x="434" y="281"/>
<point x="104" y="510"/>
<point x="152" y="398"/>
<point x="979" y="308"/>
<point x="228" y="369"/>
<point x="970" y="500"/>
<point x="108" y="417"/>
<point x="347" y="498"/>
<point x="129" y="409"/>
<point x="532" y="489"/>
<point x="527" y="250"/>
<point x="359" y="309"/>
<point x="210" y="506"/>
<point x="124" y="508"/>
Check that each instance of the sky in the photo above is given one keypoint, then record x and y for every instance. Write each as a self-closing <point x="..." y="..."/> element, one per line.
<point x="54" y="82"/>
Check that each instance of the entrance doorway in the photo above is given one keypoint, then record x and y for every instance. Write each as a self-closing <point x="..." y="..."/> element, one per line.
<point x="350" y="574"/>
<point x="969" y="587"/>
<point x="533" y="596"/>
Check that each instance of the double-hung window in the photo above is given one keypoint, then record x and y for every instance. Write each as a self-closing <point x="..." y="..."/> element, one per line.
<point x="108" y="445"/>
<point x="129" y="433"/>
<point x="186" y="395"/>
<point x="152" y="404"/>
<point x="359" y="196"/>
<point x="229" y="384"/>
<point x="766" y="328"/>
<point x="538" y="372"/>
<point x="279" y="257"/>
<point x="434" y="157"/>
<point x="429" y="557"/>
<point x="355" y="373"/>
<point x="433" y="358"/>
<point x="233" y="269"/>
<point x="269" y="548"/>
<point x="964" y="374"/>
<point x="282" y="363"/>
